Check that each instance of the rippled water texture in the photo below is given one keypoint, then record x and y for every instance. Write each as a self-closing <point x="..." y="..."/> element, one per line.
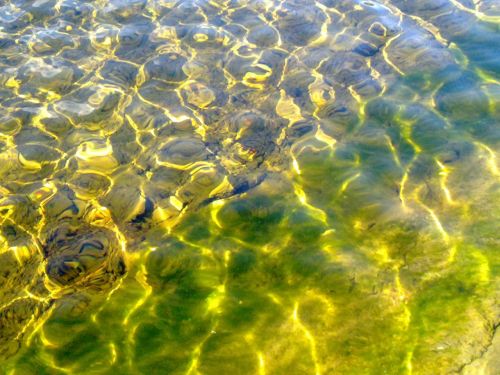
<point x="249" y="187"/>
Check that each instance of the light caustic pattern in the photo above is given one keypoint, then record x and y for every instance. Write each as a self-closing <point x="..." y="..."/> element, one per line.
<point x="249" y="187"/>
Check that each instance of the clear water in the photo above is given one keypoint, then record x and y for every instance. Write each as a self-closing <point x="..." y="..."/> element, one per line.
<point x="249" y="187"/>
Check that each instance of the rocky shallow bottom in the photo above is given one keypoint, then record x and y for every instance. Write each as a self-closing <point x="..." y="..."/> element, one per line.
<point x="249" y="187"/>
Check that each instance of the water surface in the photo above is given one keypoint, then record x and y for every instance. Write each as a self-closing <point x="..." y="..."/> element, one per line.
<point x="249" y="187"/>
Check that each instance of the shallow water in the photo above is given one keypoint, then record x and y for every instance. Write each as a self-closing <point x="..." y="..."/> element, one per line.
<point x="249" y="187"/>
